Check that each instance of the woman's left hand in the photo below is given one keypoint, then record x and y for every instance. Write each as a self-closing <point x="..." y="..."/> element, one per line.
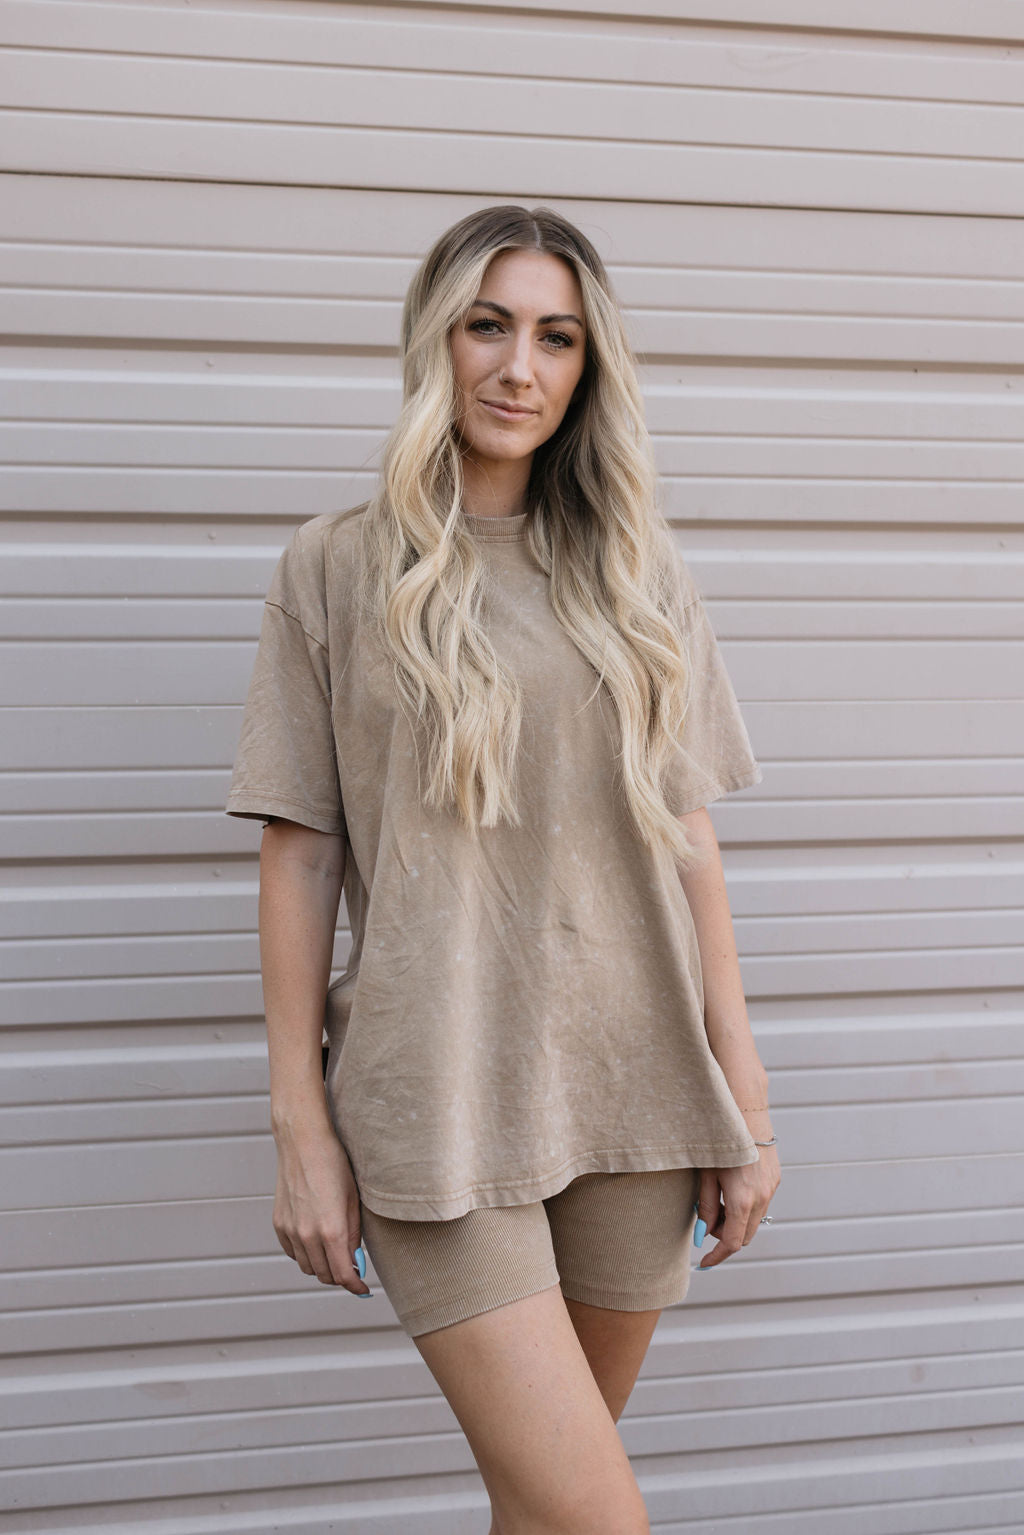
<point x="732" y="1200"/>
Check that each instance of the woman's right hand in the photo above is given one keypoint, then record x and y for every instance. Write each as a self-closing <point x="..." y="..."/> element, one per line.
<point x="316" y="1207"/>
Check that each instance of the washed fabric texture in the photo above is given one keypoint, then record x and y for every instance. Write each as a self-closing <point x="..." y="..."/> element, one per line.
<point x="619" y="1240"/>
<point x="521" y="1010"/>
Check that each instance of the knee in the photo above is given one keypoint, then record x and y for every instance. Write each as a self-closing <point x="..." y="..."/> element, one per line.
<point x="625" y="1516"/>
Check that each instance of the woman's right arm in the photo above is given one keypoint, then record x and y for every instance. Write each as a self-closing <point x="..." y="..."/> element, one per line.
<point x="316" y="1205"/>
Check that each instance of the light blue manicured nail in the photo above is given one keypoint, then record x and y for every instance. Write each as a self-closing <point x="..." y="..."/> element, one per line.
<point x="360" y="1261"/>
<point x="700" y="1231"/>
<point x="699" y="1270"/>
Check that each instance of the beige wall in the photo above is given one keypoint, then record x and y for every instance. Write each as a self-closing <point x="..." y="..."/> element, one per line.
<point x="209" y="216"/>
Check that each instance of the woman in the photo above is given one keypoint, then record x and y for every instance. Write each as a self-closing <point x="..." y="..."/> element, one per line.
<point x="489" y="705"/>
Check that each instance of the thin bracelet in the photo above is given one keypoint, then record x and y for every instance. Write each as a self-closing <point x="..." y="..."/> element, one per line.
<point x="772" y="1142"/>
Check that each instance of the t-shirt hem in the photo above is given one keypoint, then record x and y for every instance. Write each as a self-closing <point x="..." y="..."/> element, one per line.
<point x="743" y="777"/>
<point x="523" y="1191"/>
<point x="254" y="803"/>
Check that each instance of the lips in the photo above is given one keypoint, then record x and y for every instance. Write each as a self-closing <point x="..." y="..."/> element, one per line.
<point x="508" y="412"/>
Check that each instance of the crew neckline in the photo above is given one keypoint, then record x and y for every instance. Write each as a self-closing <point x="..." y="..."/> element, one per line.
<point x="504" y="530"/>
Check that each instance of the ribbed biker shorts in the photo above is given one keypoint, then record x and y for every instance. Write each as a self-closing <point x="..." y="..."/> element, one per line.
<point x="621" y="1240"/>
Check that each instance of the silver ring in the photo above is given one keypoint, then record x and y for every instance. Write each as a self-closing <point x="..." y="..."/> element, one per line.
<point x="766" y="1220"/>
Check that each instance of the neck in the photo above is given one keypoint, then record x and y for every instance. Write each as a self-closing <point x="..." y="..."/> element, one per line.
<point x="495" y="489"/>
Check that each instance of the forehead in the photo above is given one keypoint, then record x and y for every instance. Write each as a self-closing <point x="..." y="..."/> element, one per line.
<point x="533" y="282"/>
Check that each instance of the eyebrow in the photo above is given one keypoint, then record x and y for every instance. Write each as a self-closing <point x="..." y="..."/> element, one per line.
<point x="544" y="319"/>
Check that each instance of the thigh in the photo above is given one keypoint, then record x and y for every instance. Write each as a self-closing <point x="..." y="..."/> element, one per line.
<point x="480" y="1298"/>
<point x="548" y="1450"/>
<point x="439" y="1272"/>
<point x="624" y="1240"/>
<point x="615" y="1344"/>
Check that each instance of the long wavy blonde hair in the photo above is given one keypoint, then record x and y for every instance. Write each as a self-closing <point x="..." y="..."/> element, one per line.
<point x="595" y="528"/>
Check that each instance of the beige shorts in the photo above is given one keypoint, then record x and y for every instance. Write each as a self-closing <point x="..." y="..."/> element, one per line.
<point x="622" y="1240"/>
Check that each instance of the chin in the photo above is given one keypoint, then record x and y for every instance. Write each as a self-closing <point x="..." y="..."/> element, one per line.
<point x="501" y="450"/>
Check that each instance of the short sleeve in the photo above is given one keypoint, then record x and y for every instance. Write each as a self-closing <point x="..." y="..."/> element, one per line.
<point x="715" y="755"/>
<point x="286" y="763"/>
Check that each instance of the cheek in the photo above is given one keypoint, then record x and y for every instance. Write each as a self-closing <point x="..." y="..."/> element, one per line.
<point x="462" y="362"/>
<point x="568" y="390"/>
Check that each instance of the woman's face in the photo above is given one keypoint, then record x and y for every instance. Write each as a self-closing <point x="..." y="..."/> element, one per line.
<point x="522" y="344"/>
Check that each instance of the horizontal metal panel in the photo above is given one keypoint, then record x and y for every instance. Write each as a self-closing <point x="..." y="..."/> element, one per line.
<point x="739" y="1407"/>
<point x="869" y="937"/>
<point x="828" y="974"/>
<point x="103" y="1229"/>
<point x="33" y="1299"/>
<point x="205" y="735"/>
<point x="897" y="810"/>
<point x="62" y="1076"/>
<point x="159" y="449"/>
<point x="359" y="247"/>
<point x="685" y="1346"/>
<point x="507" y="165"/>
<point x="118" y="415"/>
<point x="795" y="1481"/>
<point x="372" y="1508"/>
<point x="98" y="673"/>
<point x="206" y="1166"/>
<point x="933" y="20"/>
<point x="742" y="501"/>
<point x="999" y="20"/>
<point x="688" y="438"/>
<point x="813" y="147"/>
<point x="844" y="1067"/>
<point x="915" y="1336"/>
<point x="768" y="587"/>
<point x="793" y="787"/>
<point x="195" y="366"/>
<point x="153" y="1112"/>
<point x="396" y="77"/>
<point x="108" y="1064"/>
<point x="609" y="48"/>
<point x="758" y="282"/>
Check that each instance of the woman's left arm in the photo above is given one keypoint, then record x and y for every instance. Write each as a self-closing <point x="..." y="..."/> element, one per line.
<point x="746" y="1191"/>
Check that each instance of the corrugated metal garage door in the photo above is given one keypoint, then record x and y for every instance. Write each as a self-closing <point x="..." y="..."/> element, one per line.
<point x="813" y="213"/>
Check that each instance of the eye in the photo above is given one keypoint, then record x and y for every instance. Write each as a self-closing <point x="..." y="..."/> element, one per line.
<point x="559" y="336"/>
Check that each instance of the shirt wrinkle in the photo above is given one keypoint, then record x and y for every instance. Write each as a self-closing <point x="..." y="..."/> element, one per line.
<point x="270" y="603"/>
<point x="520" y="1007"/>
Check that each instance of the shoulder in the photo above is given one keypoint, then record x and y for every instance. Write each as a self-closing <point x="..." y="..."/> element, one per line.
<point x="321" y="545"/>
<point x="317" y="559"/>
<point x="684" y="591"/>
<point x="331" y="533"/>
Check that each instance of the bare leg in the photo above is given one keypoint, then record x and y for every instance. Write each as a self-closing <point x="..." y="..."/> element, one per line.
<point x="537" y="1421"/>
<point x="616" y="1344"/>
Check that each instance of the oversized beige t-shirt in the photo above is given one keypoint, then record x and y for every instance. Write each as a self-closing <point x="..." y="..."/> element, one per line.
<point x="527" y="1009"/>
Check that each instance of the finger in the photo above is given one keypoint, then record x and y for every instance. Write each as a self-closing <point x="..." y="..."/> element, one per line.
<point x="340" y="1254"/>
<point x="730" y="1232"/>
<point x="340" y="1243"/>
<point x="753" y="1225"/>
<point x="760" y="1209"/>
<point x="318" y="1258"/>
<point x="708" y="1207"/>
<point x="709" y="1199"/>
<point x="302" y="1257"/>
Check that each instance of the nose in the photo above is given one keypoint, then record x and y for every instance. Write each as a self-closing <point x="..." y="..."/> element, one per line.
<point x="515" y="369"/>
